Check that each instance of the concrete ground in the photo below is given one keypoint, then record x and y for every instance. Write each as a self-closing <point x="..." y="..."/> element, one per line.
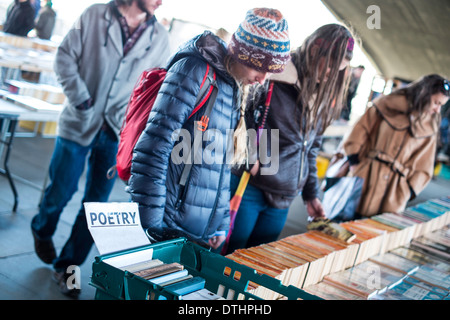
<point x="22" y="275"/>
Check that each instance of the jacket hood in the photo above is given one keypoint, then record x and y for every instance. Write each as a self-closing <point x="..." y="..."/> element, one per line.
<point x="208" y="47"/>
<point x="289" y="75"/>
<point x="394" y="109"/>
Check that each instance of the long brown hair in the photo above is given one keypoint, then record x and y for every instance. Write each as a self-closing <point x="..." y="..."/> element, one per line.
<point x="419" y="92"/>
<point x="330" y="45"/>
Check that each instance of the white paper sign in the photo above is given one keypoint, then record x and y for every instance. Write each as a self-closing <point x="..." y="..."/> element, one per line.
<point x="115" y="226"/>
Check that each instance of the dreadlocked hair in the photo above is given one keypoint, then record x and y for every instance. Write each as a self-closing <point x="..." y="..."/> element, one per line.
<point x="322" y="99"/>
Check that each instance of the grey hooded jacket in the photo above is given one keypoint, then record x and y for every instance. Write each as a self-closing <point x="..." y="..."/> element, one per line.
<point x="90" y="64"/>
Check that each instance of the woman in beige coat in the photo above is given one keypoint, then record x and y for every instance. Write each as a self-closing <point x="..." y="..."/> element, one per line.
<point x="393" y="145"/>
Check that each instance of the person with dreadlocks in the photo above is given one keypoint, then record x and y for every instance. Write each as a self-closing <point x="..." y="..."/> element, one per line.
<point x="305" y="99"/>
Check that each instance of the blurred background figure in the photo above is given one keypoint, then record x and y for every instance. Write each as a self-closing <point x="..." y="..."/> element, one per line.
<point x="392" y="146"/>
<point x="19" y="18"/>
<point x="45" y="21"/>
<point x="351" y="93"/>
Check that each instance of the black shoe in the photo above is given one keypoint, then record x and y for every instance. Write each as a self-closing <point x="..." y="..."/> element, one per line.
<point x="45" y="249"/>
<point x="68" y="289"/>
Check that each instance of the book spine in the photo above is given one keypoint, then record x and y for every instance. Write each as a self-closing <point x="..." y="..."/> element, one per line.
<point x="170" y="276"/>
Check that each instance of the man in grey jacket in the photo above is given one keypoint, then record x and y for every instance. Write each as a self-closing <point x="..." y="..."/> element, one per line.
<point x="97" y="64"/>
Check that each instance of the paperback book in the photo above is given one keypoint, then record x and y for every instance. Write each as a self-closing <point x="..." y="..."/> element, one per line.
<point x="412" y="292"/>
<point x="330" y="292"/>
<point x="395" y="262"/>
<point x="331" y="228"/>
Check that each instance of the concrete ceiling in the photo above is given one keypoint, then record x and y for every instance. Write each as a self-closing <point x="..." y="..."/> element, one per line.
<point x="413" y="38"/>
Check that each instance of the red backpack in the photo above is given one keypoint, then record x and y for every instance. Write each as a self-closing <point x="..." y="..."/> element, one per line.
<point x="138" y="110"/>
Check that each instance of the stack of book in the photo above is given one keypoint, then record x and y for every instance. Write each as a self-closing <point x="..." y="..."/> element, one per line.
<point x="298" y="260"/>
<point x="408" y="291"/>
<point x="405" y="229"/>
<point x="435" y="243"/>
<point x="429" y="281"/>
<point x="395" y="262"/>
<point x="404" y="273"/>
<point x="430" y="215"/>
<point x="422" y="258"/>
<point x="330" y="292"/>
<point x="286" y="265"/>
<point x="172" y="277"/>
<point x="345" y="252"/>
<point x="364" y="280"/>
<point x="329" y="257"/>
<point x="369" y="239"/>
<point x="41" y="91"/>
<point x="28" y="42"/>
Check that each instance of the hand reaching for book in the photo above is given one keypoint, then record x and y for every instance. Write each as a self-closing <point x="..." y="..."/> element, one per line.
<point x="216" y="241"/>
<point x="315" y="209"/>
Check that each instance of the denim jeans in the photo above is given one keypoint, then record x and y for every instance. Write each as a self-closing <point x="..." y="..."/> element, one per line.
<point x="66" y="167"/>
<point x="256" y="222"/>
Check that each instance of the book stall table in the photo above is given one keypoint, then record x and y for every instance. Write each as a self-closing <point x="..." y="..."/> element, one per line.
<point x="12" y="111"/>
<point x="20" y="55"/>
<point x="389" y="257"/>
<point x="8" y="122"/>
<point x="32" y="106"/>
<point x="178" y="269"/>
<point x="222" y="278"/>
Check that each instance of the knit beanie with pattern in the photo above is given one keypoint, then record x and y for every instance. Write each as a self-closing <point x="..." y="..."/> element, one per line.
<point x="262" y="41"/>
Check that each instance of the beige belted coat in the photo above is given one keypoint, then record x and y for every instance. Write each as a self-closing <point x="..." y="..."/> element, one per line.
<point x="396" y="155"/>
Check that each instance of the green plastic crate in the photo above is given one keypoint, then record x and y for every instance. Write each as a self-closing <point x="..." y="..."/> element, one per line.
<point x="223" y="276"/>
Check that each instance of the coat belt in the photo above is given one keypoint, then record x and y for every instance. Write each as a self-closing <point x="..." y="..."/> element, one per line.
<point x="395" y="165"/>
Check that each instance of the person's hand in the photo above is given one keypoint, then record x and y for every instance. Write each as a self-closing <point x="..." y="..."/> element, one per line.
<point x="315" y="209"/>
<point x="255" y="168"/>
<point x="216" y="241"/>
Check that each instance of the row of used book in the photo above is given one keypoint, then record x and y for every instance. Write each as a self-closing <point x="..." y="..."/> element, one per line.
<point x="315" y="257"/>
<point x="406" y="273"/>
<point x="174" y="278"/>
<point x="27" y="42"/>
<point x="42" y="91"/>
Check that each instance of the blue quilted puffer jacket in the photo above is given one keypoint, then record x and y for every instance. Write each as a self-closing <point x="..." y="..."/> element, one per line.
<point x="203" y="208"/>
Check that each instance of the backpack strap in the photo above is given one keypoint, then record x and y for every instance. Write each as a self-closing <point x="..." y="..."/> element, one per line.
<point x="208" y="92"/>
<point x="206" y="89"/>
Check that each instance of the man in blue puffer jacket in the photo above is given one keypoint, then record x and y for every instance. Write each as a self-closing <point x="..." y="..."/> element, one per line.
<point x="201" y="212"/>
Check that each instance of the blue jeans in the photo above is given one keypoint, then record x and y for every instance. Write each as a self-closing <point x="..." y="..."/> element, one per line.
<point x="66" y="168"/>
<point x="256" y="222"/>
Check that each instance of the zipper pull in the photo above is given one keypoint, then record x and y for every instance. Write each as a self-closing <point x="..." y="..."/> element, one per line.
<point x="302" y="159"/>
